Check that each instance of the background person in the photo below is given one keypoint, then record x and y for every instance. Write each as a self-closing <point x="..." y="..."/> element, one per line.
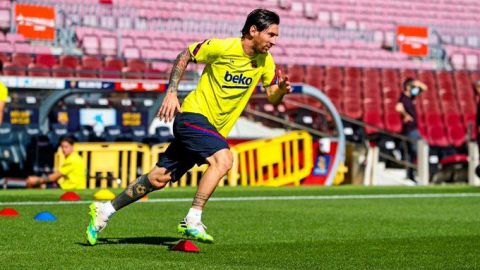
<point x="3" y="95"/>
<point x="70" y="175"/>
<point x="406" y="107"/>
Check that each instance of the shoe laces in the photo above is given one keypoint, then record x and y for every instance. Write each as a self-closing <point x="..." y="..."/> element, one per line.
<point x="197" y="224"/>
<point x="102" y="217"/>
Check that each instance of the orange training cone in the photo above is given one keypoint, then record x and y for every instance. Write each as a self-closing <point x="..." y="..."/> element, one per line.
<point x="186" y="246"/>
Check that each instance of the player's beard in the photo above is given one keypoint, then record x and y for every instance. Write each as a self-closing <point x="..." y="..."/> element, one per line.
<point x="261" y="49"/>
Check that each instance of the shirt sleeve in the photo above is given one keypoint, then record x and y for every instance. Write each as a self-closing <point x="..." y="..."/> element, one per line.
<point x="269" y="76"/>
<point x="206" y="51"/>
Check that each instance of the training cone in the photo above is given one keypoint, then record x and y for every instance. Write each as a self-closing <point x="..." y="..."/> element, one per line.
<point x="144" y="198"/>
<point x="70" y="196"/>
<point x="9" y="212"/>
<point x="104" y="195"/>
<point x="186" y="246"/>
<point x="45" y="216"/>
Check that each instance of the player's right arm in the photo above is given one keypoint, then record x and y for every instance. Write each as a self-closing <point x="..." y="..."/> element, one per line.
<point x="170" y="102"/>
<point x="206" y="51"/>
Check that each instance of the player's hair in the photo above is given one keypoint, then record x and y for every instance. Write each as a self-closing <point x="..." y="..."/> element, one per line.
<point x="70" y="140"/>
<point x="261" y="18"/>
<point x="408" y="81"/>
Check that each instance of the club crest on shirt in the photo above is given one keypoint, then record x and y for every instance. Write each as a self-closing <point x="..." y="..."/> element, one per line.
<point x="254" y="63"/>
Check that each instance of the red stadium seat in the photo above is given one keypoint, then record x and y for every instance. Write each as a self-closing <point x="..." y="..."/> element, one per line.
<point x="393" y="122"/>
<point x="110" y="72"/>
<point x="137" y="64"/>
<point x="4" y="57"/>
<point x="373" y="118"/>
<point x="87" y="72"/>
<point x="453" y="118"/>
<point x="91" y="62"/>
<point x="21" y="59"/>
<point x="114" y="63"/>
<point x="46" y="60"/>
<point x="352" y="72"/>
<point x="69" y="61"/>
<point x="39" y="70"/>
<point x="433" y="118"/>
<point x="353" y="109"/>
<point x="12" y="69"/>
<point x="63" y="71"/>
<point x="456" y="134"/>
<point x="153" y="74"/>
<point x="436" y="135"/>
<point x="315" y="71"/>
<point x="448" y="96"/>
<point x="130" y="73"/>
<point x="296" y="73"/>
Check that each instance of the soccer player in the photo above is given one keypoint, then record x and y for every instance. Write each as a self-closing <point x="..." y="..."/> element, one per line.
<point x="234" y="66"/>
<point x="71" y="174"/>
<point x="3" y="95"/>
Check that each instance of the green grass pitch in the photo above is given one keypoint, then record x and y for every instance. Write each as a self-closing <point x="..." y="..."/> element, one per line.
<point x="335" y="228"/>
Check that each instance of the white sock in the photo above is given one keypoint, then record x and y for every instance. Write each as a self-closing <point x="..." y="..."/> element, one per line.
<point x="108" y="209"/>
<point x="194" y="214"/>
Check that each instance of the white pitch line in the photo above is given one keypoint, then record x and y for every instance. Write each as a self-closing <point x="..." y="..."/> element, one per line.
<point x="278" y="198"/>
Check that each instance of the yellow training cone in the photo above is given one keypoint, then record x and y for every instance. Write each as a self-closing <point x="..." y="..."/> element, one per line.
<point x="104" y="195"/>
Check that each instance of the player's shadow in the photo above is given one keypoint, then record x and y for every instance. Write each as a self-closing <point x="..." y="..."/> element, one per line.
<point x="145" y="240"/>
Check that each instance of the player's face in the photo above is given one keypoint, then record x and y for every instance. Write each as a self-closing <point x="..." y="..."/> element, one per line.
<point x="67" y="148"/>
<point x="264" y="40"/>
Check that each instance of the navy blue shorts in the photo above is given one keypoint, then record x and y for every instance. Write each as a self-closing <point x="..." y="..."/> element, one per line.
<point x="195" y="140"/>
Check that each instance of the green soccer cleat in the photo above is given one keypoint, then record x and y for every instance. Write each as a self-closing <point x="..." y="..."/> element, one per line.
<point x="196" y="231"/>
<point x="98" y="222"/>
<point x="91" y="235"/>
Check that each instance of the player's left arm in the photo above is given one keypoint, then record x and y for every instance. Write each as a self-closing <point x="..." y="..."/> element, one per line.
<point x="276" y="92"/>
<point x="33" y="181"/>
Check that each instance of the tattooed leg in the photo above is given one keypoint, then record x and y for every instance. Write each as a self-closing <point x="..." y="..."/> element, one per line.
<point x="220" y="163"/>
<point x="200" y="200"/>
<point x="135" y="190"/>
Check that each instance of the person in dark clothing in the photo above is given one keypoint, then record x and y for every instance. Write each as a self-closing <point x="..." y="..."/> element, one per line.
<point x="406" y="107"/>
<point x="477" y="99"/>
<point x="476" y="129"/>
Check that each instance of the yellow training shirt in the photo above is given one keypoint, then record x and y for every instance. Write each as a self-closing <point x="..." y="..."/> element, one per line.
<point x="73" y="171"/>
<point x="227" y="82"/>
<point x="3" y="92"/>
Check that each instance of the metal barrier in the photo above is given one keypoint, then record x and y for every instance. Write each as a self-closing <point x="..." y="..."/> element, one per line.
<point x="274" y="162"/>
<point x="107" y="162"/>
<point x="269" y="162"/>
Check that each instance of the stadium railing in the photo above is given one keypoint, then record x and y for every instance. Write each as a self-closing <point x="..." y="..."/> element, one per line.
<point x="279" y="161"/>
<point x="108" y="162"/>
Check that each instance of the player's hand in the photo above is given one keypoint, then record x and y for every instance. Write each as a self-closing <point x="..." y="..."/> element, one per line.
<point x="170" y="106"/>
<point x="407" y="118"/>
<point x="284" y="83"/>
<point x="33" y="181"/>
